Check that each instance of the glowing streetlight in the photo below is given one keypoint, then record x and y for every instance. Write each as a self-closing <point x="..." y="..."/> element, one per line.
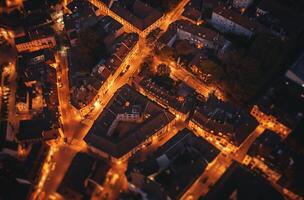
<point x="97" y="104"/>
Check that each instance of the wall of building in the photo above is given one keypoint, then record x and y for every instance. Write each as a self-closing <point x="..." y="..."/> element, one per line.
<point x="226" y="25"/>
<point x="35" y="45"/>
<point x="199" y="41"/>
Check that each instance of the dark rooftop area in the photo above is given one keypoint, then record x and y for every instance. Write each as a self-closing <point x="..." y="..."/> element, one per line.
<point x="128" y="120"/>
<point x="226" y="118"/>
<point x="246" y="185"/>
<point x="137" y="13"/>
<point x="83" y="167"/>
<point x="185" y="154"/>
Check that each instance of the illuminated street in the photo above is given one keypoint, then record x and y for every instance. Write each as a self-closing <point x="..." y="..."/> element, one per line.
<point x="113" y="99"/>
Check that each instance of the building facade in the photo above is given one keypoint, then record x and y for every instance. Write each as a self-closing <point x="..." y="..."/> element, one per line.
<point x="35" y="45"/>
<point x="228" y="21"/>
<point x="242" y="3"/>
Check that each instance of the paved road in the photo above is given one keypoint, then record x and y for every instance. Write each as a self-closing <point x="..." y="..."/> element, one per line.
<point x="75" y="128"/>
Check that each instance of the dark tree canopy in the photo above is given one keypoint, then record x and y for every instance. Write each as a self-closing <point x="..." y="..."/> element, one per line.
<point x="91" y="49"/>
<point x="163" y="70"/>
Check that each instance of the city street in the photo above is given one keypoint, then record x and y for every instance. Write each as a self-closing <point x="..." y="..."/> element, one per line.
<point x="210" y="176"/>
<point x="76" y="123"/>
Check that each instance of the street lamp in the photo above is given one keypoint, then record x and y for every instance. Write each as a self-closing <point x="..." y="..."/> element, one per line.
<point x="97" y="104"/>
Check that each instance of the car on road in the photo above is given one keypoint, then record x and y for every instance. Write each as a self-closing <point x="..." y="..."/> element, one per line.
<point x="124" y="70"/>
<point x="60" y="84"/>
<point x="205" y="179"/>
<point x="59" y="81"/>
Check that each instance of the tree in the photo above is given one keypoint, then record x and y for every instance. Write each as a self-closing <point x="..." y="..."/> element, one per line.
<point x="163" y="70"/>
<point x="210" y="67"/>
<point x="269" y="50"/>
<point x="91" y="49"/>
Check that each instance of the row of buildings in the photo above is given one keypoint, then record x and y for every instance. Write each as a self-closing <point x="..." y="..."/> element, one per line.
<point x="198" y="35"/>
<point x="84" y="177"/>
<point x="106" y="71"/>
<point x="136" y="16"/>
<point x="225" y="17"/>
<point x="128" y="123"/>
<point x="181" y="98"/>
<point x="224" y="119"/>
<point x="37" y="117"/>
<point x="276" y="153"/>
<point x="37" y="32"/>
<point x="160" y="176"/>
<point x="37" y="96"/>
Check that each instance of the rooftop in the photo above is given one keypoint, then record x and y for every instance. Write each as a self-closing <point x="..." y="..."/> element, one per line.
<point x="247" y="185"/>
<point x="277" y="154"/>
<point x="83" y="8"/>
<point x="237" y="18"/>
<point x="192" y="14"/>
<point x="127" y="42"/>
<point x="137" y="13"/>
<point x="270" y="146"/>
<point x="127" y="121"/>
<point x="296" y="71"/>
<point x="35" y="34"/>
<point x="199" y="31"/>
<point x="109" y="24"/>
<point x="38" y="57"/>
<point x="36" y="19"/>
<point x="185" y="154"/>
<point x="180" y="98"/>
<point x="187" y="26"/>
<point x="83" y="167"/>
<point x="32" y="129"/>
<point x="226" y="118"/>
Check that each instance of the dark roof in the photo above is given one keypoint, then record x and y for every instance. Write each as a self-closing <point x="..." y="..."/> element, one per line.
<point x="192" y="14"/>
<point x="170" y="96"/>
<point x="32" y="129"/>
<point x="109" y="24"/>
<point x="34" y="5"/>
<point x="189" y="155"/>
<point x="248" y="185"/>
<point x="275" y="152"/>
<point x="121" y="51"/>
<point x="83" y="167"/>
<point x="187" y="26"/>
<point x="77" y="173"/>
<point x="226" y="118"/>
<point x="167" y="36"/>
<point x="298" y="70"/>
<point x="199" y="31"/>
<point x="138" y="14"/>
<point x="36" y="57"/>
<point x="126" y="136"/>
<point x="182" y="139"/>
<point x="35" y="34"/>
<point x="237" y="18"/>
<point x="3" y="129"/>
<point x="36" y="19"/>
<point x="84" y="8"/>
<point x="35" y="160"/>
